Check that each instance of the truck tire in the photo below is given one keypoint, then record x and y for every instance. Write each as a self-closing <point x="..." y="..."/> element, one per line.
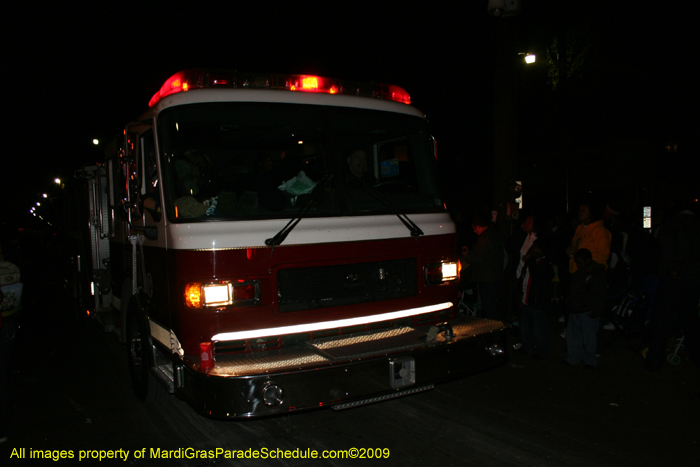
<point x="139" y="349"/>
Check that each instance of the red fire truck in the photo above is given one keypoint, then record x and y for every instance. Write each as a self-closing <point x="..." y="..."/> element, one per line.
<point x="270" y="243"/>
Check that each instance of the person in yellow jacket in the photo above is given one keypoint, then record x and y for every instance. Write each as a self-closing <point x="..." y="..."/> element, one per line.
<point x="592" y="235"/>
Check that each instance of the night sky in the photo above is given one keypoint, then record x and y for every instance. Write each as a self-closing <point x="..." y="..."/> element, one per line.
<point x="77" y="73"/>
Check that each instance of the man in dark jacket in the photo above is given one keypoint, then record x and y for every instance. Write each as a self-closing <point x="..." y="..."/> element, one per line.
<point x="679" y="290"/>
<point x="586" y="304"/>
<point x="486" y="261"/>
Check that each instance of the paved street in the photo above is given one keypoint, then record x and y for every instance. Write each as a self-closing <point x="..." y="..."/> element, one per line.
<point x="72" y="392"/>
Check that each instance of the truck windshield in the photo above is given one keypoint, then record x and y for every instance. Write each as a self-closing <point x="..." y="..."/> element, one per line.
<point x="263" y="160"/>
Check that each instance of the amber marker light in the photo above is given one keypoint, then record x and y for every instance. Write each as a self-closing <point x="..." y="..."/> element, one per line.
<point x="193" y="295"/>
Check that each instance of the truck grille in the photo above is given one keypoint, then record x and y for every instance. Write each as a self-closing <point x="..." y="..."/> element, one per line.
<point x="345" y="284"/>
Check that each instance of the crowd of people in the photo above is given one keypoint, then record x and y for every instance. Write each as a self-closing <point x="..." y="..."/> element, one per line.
<point x="579" y="269"/>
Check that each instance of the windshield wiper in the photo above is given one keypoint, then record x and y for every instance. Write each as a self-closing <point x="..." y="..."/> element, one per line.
<point x="377" y="195"/>
<point x="316" y="194"/>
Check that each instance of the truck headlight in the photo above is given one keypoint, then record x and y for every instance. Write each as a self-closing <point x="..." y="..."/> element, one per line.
<point x="439" y="273"/>
<point x="222" y="294"/>
<point x="218" y="294"/>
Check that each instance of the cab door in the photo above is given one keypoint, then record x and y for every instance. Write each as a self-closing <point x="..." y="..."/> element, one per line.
<point x="148" y="224"/>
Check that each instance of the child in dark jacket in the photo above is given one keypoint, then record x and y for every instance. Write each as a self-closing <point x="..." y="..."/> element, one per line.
<point x="536" y="296"/>
<point x="586" y="303"/>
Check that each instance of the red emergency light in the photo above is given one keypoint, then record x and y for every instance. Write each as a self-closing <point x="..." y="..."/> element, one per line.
<point x="394" y="93"/>
<point x="188" y="80"/>
<point x="310" y="83"/>
<point x="181" y="81"/>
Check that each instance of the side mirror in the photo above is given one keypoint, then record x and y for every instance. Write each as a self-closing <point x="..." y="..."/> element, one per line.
<point x="151" y="232"/>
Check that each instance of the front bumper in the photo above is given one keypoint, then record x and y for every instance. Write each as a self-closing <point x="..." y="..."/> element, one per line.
<point x="346" y="370"/>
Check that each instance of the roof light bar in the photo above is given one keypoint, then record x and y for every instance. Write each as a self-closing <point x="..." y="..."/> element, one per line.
<point x="310" y="327"/>
<point x="311" y="83"/>
<point x="394" y="93"/>
<point x="188" y="80"/>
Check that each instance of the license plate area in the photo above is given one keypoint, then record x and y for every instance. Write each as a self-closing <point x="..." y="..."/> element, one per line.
<point x="402" y="372"/>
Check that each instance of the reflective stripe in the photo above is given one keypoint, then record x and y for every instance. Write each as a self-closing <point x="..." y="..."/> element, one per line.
<point x="166" y="337"/>
<point x="309" y="327"/>
<point x="159" y="333"/>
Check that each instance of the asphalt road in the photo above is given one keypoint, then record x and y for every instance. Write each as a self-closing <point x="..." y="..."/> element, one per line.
<point x="71" y="392"/>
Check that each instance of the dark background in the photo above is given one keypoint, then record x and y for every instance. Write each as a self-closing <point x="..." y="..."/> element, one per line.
<point x="622" y="121"/>
<point x="625" y="124"/>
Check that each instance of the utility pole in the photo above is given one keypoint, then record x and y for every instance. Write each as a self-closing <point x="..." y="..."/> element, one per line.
<point x="505" y="114"/>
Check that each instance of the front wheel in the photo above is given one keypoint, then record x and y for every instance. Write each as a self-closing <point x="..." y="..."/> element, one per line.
<point x="140" y="353"/>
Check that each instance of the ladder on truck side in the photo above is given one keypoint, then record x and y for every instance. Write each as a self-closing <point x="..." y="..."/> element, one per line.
<point x="96" y="176"/>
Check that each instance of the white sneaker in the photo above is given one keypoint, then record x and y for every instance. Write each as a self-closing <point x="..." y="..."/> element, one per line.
<point x="561" y="319"/>
<point x="563" y="334"/>
<point x="609" y="327"/>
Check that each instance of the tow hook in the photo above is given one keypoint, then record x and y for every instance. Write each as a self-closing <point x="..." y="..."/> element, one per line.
<point x="447" y="331"/>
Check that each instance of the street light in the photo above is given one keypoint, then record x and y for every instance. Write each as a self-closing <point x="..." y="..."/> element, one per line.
<point x="529" y="58"/>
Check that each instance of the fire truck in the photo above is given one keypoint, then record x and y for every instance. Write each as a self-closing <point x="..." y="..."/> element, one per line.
<point x="268" y="243"/>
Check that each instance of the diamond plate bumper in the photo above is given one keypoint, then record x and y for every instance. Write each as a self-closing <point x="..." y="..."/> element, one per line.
<point x="347" y="370"/>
